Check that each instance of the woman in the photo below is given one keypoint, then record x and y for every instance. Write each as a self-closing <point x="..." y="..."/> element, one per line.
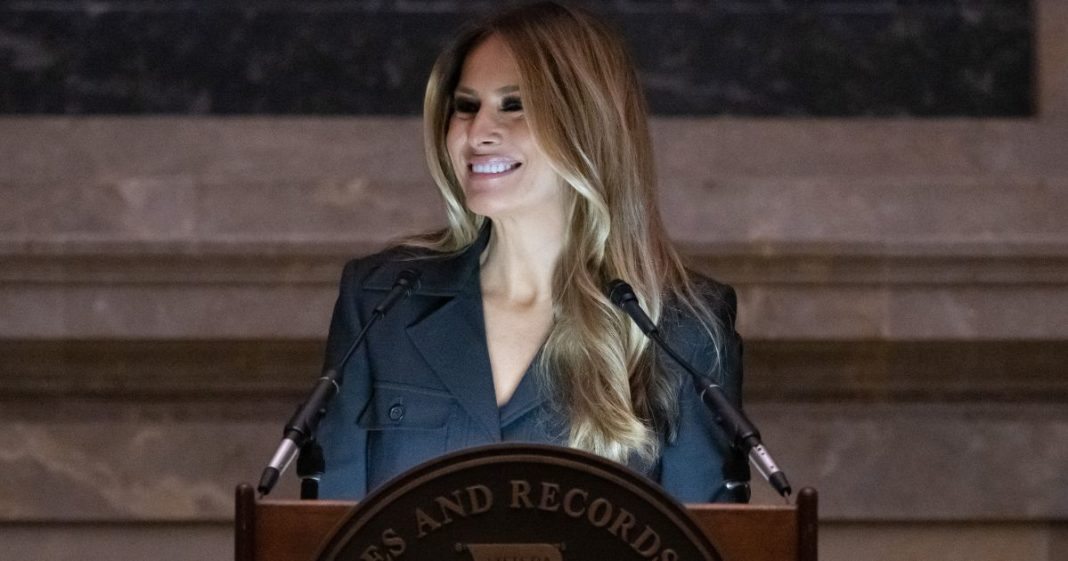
<point x="536" y="134"/>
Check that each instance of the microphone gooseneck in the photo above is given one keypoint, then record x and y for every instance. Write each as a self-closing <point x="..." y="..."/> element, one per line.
<point x="743" y="434"/>
<point x="305" y="420"/>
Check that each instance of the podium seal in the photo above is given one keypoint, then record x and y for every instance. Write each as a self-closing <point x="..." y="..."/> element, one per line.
<point x="518" y="502"/>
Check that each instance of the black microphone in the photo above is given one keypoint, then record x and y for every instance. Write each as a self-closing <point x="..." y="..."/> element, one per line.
<point x="622" y="295"/>
<point x="743" y="434"/>
<point x="407" y="281"/>
<point x="308" y="414"/>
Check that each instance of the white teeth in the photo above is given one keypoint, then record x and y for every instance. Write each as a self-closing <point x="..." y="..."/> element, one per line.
<point x="491" y="168"/>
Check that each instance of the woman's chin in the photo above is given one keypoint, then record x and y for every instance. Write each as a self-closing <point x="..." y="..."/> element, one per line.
<point x="489" y="205"/>
<point x="500" y="199"/>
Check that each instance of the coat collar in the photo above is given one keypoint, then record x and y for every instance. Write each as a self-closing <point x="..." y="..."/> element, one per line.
<point x="451" y="338"/>
<point x="440" y="274"/>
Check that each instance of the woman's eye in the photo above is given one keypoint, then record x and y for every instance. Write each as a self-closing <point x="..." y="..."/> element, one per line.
<point x="512" y="104"/>
<point x="465" y="106"/>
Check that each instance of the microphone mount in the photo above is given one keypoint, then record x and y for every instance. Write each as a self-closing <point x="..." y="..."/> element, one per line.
<point x="743" y="434"/>
<point x="305" y="420"/>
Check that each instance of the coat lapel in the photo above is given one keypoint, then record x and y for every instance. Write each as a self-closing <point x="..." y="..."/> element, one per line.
<point x="452" y="340"/>
<point x="452" y="337"/>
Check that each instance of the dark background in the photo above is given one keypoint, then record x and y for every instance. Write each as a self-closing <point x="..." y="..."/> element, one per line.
<point x="365" y="57"/>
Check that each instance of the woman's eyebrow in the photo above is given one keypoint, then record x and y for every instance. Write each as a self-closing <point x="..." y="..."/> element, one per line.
<point x="501" y="90"/>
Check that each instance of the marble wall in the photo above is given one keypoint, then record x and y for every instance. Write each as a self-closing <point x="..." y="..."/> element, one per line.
<point x="166" y="280"/>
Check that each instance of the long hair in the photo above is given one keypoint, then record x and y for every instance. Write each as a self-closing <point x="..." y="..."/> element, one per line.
<point x="584" y="105"/>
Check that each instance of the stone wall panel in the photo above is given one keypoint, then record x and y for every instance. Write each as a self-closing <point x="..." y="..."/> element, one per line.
<point x="112" y="460"/>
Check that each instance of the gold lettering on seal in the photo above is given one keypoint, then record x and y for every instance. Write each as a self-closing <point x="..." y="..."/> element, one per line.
<point x="454" y="506"/>
<point x="599" y="512"/>
<point x="424" y="523"/>
<point x="521" y="492"/>
<point x="550" y="494"/>
<point x="647" y="543"/>
<point x="480" y="497"/>
<point x="622" y="524"/>
<point x="477" y="500"/>
<point x="372" y="553"/>
<point x="393" y="543"/>
<point x="569" y="503"/>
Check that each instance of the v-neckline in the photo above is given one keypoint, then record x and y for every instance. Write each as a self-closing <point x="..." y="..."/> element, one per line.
<point x="526" y="391"/>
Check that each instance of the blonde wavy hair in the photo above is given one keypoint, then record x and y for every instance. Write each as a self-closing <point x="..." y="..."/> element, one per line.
<point x="585" y="108"/>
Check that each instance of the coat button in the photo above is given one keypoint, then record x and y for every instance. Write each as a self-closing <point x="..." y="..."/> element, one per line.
<point x="396" y="412"/>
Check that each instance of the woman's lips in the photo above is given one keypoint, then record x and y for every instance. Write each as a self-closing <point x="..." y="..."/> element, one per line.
<point x="489" y="170"/>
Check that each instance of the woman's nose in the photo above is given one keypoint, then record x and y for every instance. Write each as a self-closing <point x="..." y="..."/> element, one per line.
<point x="485" y="129"/>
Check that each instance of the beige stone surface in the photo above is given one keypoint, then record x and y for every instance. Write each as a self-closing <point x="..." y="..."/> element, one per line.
<point x="856" y="148"/>
<point x="892" y="213"/>
<point x="882" y="461"/>
<point x="937" y="183"/>
<point x="118" y="542"/>
<point x="91" y="460"/>
<point x="141" y="311"/>
<point x="105" y="149"/>
<point x="959" y="541"/>
<point x="832" y="229"/>
<point x="95" y="149"/>
<point x="902" y="312"/>
<point x="77" y="460"/>
<point x="1051" y="20"/>
<point x="286" y="307"/>
<point x="1058" y="540"/>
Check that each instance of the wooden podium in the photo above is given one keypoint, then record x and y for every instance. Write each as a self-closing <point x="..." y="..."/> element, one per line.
<point x="272" y="530"/>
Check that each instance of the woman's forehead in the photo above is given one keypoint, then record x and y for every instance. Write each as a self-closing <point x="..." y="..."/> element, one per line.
<point x="489" y="67"/>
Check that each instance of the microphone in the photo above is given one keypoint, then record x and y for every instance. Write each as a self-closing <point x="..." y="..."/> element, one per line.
<point x="407" y="281"/>
<point x="622" y="295"/>
<point x="743" y="434"/>
<point x="308" y="414"/>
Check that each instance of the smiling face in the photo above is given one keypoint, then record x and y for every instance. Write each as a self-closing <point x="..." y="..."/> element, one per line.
<point x="502" y="170"/>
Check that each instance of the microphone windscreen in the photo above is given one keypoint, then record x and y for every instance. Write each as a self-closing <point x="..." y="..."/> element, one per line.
<point x="409" y="278"/>
<point x="620" y="292"/>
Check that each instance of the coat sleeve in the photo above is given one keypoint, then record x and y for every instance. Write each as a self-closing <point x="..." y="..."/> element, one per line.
<point x="344" y="444"/>
<point x="700" y="465"/>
